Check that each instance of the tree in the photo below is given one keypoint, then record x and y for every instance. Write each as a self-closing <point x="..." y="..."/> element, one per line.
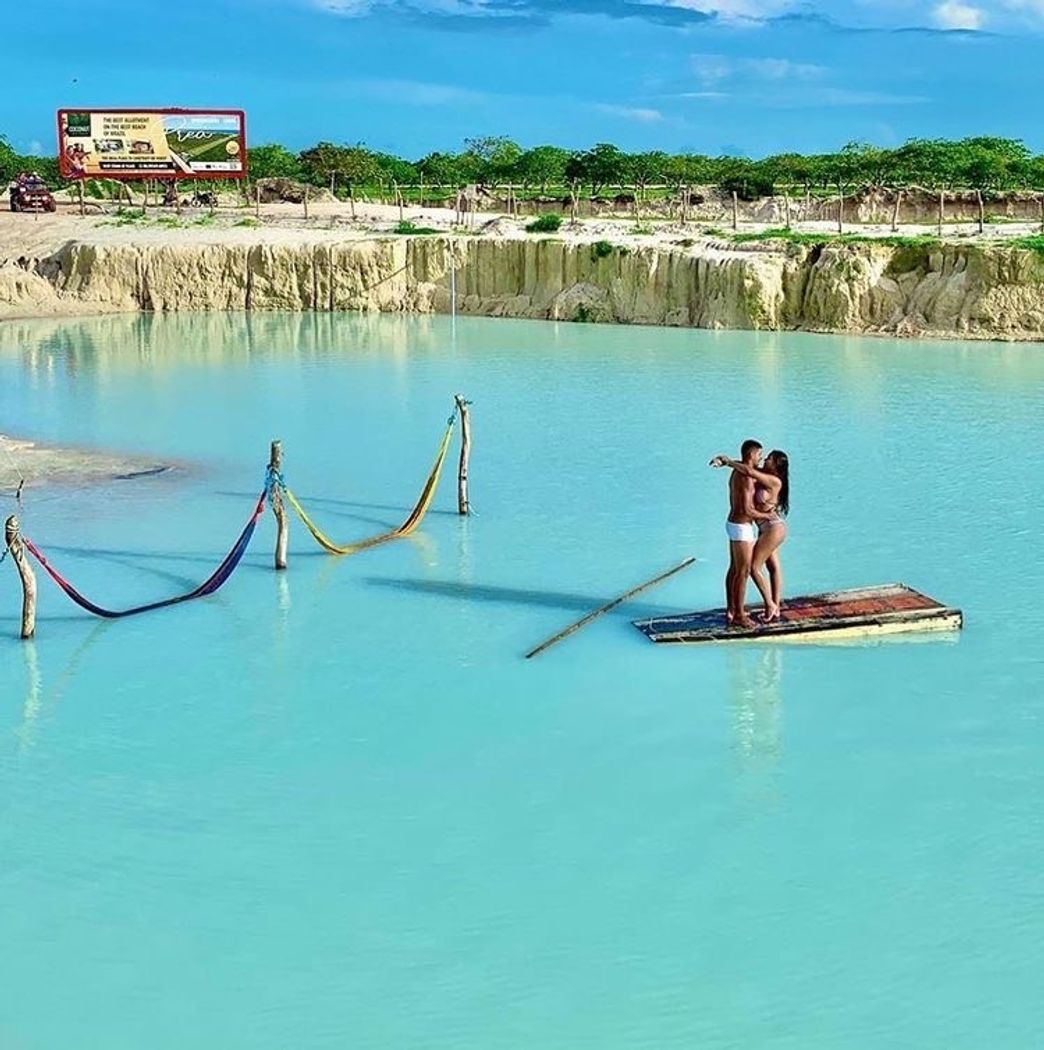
<point x="542" y="165"/>
<point x="990" y="164"/>
<point x="493" y="157"/>
<point x="8" y="161"/>
<point x="322" y="162"/>
<point x="273" y="161"/>
<point x="357" y="166"/>
<point x="601" y="166"/>
<point x="441" y="169"/>
<point x="931" y="163"/>
<point x="644" y="168"/>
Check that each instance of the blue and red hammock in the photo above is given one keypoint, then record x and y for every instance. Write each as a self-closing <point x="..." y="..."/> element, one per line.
<point x="210" y="585"/>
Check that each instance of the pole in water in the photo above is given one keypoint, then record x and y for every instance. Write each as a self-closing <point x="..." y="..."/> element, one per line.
<point x="275" y="465"/>
<point x="463" y="504"/>
<point x="14" y="545"/>
<point x="583" y="622"/>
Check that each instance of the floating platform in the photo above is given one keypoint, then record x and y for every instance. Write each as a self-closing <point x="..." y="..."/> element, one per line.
<point x="866" y="612"/>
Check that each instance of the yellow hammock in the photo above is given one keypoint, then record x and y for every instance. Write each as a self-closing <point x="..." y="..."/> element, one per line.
<point x="411" y="524"/>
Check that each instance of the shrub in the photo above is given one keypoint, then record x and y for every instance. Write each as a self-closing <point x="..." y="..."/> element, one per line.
<point x="407" y="227"/>
<point x="549" y="223"/>
<point x="601" y="249"/>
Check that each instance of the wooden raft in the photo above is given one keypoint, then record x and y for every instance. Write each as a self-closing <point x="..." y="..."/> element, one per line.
<point x="865" y="612"/>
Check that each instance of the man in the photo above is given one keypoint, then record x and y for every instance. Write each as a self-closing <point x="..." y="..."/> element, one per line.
<point x="742" y="536"/>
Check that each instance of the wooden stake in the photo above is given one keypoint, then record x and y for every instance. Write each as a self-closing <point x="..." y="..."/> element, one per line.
<point x="463" y="504"/>
<point x="275" y="464"/>
<point x="895" y="214"/>
<point x="840" y="208"/>
<point x="306" y="201"/>
<point x="555" y="639"/>
<point x="257" y="201"/>
<point x="83" y="209"/>
<point x="786" y="209"/>
<point x="25" y="571"/>
<point x="735" y="210"/>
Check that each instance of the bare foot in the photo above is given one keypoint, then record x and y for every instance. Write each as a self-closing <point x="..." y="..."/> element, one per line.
<point x="744" y="621"/>
<point x="771" y="614"/>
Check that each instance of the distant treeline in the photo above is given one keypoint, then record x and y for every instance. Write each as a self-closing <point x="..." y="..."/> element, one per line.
<point x="983" y="163"/>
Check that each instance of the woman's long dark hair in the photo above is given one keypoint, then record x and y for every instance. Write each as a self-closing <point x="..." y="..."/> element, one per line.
<point x="781" y="468"/>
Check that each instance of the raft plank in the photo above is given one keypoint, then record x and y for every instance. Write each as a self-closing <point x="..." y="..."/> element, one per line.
<point x="891" y="608"/>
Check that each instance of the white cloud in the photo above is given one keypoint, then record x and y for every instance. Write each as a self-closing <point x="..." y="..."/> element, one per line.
<point x="644" y="116"/>
<point x="712" y="70"/>
<point x="419" y="93"/>
<point x="952" y="14"/>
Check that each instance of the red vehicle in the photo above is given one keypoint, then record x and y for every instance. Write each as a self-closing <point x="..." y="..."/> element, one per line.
<point x="30" y="193"/>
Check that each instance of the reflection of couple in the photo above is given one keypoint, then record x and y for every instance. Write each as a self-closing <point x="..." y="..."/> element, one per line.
<point x="759" y="501"/>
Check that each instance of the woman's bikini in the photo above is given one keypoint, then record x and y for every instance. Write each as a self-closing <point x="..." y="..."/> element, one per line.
<point x="761" y="501"/>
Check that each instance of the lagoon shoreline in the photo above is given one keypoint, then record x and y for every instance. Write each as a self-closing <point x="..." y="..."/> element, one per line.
<point x="609" y="271"/>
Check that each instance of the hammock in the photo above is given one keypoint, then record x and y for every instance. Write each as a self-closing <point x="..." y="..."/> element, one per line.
<point x="209" y="586"/>
<point x="411" y="524"/>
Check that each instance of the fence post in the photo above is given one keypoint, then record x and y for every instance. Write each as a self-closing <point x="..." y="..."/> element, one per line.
<point x="25" y="571"/>
<point x="275" y="465"/>
<point x="463" y="503"/>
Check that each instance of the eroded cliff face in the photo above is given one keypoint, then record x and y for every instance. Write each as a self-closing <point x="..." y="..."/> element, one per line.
<point x="952" y="290"/>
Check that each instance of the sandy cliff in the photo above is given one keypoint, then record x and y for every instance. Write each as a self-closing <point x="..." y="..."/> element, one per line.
<point x="985" y="291"/>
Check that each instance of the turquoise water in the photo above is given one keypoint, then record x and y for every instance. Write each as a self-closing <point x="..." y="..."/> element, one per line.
<point x="335" y="808"/>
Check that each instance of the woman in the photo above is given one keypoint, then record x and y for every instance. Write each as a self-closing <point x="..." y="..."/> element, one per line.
<point x="772" y="504"/>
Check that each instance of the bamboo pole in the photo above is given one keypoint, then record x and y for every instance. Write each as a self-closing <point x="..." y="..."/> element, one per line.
<point x="463" y="503"/>
<point x="275" y="464"/>
<point x="25" y="571"/>
<point x="583" y="622"/>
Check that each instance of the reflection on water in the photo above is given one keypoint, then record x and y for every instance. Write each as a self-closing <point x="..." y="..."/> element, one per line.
<point x="755" y="675"/>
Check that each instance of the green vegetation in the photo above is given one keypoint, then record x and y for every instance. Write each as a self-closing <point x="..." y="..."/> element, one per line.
<point x="549" y="223"/>
<point x="1033" y="244"/>
<point x="601" y="249"/>
<point x="407" y="227"/>
<point x="812" y="239"/>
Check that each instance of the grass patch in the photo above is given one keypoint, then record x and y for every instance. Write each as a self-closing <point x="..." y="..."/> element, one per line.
<point x="601" y="250"/>
<point x="812" y="239"/>
<point x="411" y="228"/>
<point x="549" y="223"/>
<point x="1034" y="244"/>
<point x="247" y="222"/>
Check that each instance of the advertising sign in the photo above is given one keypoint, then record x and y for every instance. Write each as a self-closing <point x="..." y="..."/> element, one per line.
<point x="152" y="143"/>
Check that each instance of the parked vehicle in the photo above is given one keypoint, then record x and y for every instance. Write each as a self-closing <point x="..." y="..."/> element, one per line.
<point x="30" y="193"/>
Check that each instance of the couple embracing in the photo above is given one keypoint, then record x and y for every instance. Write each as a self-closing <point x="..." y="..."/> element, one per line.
<point x="759" y="501"/>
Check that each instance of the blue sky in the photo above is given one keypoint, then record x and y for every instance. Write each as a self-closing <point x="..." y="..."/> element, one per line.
<point x="410" y="76"/>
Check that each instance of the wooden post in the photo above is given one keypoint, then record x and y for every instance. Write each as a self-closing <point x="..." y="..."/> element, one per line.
<point x="942" y="204"/>
<point x="306" y="201"/>
<point x="275" y="464"/>
<point x="257" y="201"/>
<point x="1042" y="214"/>
<point x="25" y="571"/>
<point x="83" y="209"/>
<point x="177" y="199"/>
<point x="786" y="209"/>
<point x="463" y="504"/>
<point x="840" y="208"/>
<point x="735" y="210"/>
<point x="895" y="214"/>
<point x="982" y="212"/>
<point x="144" y="196"/>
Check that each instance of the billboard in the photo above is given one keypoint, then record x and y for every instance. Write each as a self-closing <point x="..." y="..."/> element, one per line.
<point x="152" y="143"/>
